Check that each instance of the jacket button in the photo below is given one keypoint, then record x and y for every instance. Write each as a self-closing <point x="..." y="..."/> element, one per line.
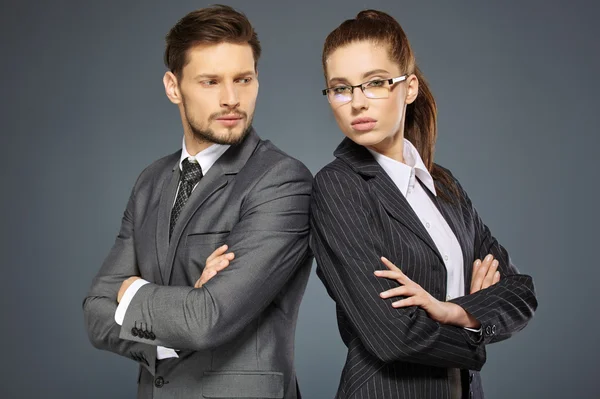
<point x="488" y="330"/>
<point x="152" y="336"/>
<point x="159" y="382"/>
<point x="134" y="332"/>
<point x="494" y="329"/>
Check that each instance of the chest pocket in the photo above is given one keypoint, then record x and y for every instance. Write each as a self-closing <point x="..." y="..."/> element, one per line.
<point x="198" y="247"/>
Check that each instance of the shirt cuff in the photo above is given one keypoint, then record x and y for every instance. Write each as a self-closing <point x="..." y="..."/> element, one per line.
<point x="126" y="300"/>
<point x="478" y="331"/>
<point x="165" y="353"/>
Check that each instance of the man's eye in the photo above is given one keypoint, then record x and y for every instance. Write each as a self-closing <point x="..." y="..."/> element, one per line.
<point x="244" y="80"/>
<point x="209" y="82"/>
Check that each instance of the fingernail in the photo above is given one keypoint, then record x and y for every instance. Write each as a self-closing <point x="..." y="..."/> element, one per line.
<point x="488" y="258"/>
<point x="497" y="273"/>
<point x="477" y="262"/>
<point x="383" y="294"/>
<point x="377" y="272"/>
<point x="495" y="263"/>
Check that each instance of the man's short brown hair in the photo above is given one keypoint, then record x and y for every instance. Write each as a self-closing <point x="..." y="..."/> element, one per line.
<point x="212" y="25"/>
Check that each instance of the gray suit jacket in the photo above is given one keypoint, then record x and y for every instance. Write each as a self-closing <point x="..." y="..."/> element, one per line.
<point x="236" y="333"/>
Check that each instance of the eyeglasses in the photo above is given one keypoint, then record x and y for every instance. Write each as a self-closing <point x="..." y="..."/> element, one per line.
<point x="378" y="88"/>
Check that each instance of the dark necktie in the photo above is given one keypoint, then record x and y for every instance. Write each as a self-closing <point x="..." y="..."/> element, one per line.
<point x="190" y="175"/>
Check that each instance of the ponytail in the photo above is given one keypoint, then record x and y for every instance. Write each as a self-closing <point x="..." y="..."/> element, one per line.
<point x="421" y="130"/>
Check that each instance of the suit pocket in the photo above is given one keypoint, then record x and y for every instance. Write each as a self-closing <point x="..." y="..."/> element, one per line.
<point x="204" y="239"/>
<point x="198" y="247"/>
<point x="242" y="384"/>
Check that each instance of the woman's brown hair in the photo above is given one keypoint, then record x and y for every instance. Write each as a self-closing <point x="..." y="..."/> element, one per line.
<point x="420" y="126"/>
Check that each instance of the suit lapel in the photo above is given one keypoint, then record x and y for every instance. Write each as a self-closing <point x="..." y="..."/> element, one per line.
<point x="362" y="162"/>
<point x="164" y="218"/>
<point x="218" y="176"/>
<point x="452" y="214"/>
<point x="398" y="207"/>
<point x="394" y="202"/>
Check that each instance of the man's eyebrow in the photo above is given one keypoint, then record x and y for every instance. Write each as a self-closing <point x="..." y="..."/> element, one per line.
<point x="206" y="76"/>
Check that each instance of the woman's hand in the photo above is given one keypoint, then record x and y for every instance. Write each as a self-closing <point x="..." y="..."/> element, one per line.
<point x="442" y="312"/>
<point x="485" y="273"/>
<point x="414" y="293"/>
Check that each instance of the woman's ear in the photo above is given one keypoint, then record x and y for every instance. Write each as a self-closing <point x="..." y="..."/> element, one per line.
<point x="412" y="88"/>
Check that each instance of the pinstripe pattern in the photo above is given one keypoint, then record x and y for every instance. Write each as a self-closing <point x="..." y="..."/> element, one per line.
<point x="358" y="215"/>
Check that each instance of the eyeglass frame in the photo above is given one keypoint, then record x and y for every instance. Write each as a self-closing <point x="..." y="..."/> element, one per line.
<point x="390" y="81"/>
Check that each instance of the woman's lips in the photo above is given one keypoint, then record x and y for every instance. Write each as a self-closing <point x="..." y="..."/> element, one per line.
<point x="363" y="124"/>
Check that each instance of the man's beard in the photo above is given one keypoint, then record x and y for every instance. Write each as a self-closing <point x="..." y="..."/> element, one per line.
<point x="208" y="135"/>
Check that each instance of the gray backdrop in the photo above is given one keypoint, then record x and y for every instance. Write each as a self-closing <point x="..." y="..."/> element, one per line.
<point x="84" y="111"/>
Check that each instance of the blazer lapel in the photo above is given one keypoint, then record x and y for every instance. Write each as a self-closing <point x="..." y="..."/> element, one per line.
<point x="163" y="222"/>
<point x="208" y="185"/>
<point x="397" y="205"/>
<point x="452" y="214"/>
<point x="361" y="160"/>
<point x="217" y="177"/>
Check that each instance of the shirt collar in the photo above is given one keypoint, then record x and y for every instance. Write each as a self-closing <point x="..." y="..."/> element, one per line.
<point x="206" y="158"/>
<point x="402" y="172"/>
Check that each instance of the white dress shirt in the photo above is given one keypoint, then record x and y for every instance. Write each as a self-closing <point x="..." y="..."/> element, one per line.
<point x="206" y="158"/>
<point x="404" y="176"/>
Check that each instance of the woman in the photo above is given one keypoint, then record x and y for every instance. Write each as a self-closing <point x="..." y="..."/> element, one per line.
<point x="411" y="328"/>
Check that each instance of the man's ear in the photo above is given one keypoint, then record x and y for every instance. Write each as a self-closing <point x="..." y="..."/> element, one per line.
<point x="172" y="87"/>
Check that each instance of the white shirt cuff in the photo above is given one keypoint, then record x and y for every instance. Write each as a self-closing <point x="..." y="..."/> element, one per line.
<point x="165" y="353"/>
<point x="126" y="300"/>
<point x="474" y="330"/>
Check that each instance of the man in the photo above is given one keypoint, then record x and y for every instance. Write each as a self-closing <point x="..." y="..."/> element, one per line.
<point x="202" y="321"/>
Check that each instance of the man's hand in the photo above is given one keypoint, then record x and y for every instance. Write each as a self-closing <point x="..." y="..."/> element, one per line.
<point x="216" y="262"/>
<point x="485" y="273"/>
<point x="124" y="287"/>
<point x="442" y="312"/>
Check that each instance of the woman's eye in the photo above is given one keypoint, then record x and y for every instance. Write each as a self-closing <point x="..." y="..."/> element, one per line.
<point x="376" y="83"/>
<point x="341" y="90"/>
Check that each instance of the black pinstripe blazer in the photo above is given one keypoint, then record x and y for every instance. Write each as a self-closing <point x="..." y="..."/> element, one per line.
<point x="358" y="215"/>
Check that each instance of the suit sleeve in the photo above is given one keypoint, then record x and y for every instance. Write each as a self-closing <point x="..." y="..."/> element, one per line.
<point x="506" y="307"/>
<point x="348" y="247"/>
<point x="101" y="302"/>
<point x="270" y="243"/>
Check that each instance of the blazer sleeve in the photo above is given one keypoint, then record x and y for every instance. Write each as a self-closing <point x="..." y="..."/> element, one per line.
<point x="506" y="307"/>
<point x="101" y="302"/>
<point x="270" y="243"/>
<point x="348" y="246"/>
